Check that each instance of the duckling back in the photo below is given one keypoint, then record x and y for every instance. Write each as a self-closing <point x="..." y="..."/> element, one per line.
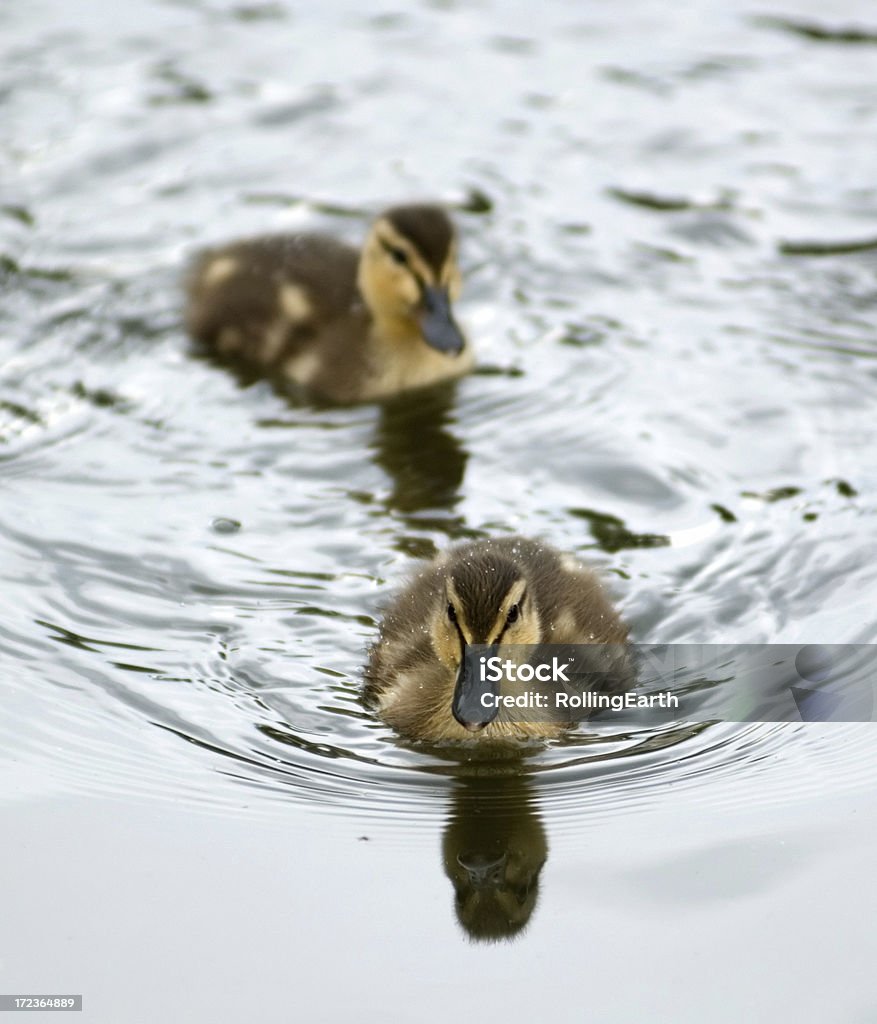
<point x="263" y="302"/>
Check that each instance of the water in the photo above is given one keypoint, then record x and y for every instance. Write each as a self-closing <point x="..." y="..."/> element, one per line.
<point x="662" y="211"/>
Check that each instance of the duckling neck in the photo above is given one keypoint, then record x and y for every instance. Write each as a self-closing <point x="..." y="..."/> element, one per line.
<point x="400" y="358"/>
<point x="392" y="330"/>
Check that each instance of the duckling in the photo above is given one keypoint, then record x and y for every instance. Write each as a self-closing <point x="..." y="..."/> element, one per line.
<point x="423" y="676"/>
<point x="347" y="326"/>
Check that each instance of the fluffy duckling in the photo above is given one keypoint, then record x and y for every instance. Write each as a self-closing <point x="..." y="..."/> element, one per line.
<point x="423" y="675"/>
<point x="347" y="326"/>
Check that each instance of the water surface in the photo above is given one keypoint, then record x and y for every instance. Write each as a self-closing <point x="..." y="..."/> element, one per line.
<point x="668" y="220"/>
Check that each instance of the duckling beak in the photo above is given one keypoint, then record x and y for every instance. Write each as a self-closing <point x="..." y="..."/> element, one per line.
<point x="437" y="322"/>
<point x="484" y="871"/>
<point x="470" y="710"/>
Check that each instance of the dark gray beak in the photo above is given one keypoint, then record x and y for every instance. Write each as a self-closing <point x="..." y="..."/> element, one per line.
<point x="470" y="710"/>
<point x="437" y="322"/>
<point x="484" y="872"/>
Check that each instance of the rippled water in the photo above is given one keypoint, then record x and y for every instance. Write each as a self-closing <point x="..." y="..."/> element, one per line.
<point x="669" y="224"/>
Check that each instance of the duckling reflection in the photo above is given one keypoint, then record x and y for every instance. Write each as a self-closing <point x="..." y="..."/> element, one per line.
<point x="494" y="848"/>
<point x="346" y="326"/>
<point x="504" y="595"/>
<point x="414" y="446"/>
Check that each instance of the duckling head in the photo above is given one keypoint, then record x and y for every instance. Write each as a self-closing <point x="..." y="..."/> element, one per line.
<point x="485" y="606"/>
<point x="408" y="275"/>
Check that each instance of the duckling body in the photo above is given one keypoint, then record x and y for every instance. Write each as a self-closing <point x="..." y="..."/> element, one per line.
<point x="348" y="326"/>
<point x="489" y="596"/>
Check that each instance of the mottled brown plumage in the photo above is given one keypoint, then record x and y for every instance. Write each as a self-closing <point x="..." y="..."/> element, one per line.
<point x="348" y="326"/>
<point x="501" y="593"/>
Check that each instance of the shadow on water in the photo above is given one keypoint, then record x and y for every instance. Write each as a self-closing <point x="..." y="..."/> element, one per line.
<point x="415" y="446"/>
<point x="414" y="442"/>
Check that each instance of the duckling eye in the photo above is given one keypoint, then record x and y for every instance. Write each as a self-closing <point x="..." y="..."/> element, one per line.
<point x="398" y="255"/>
<point x="514" y="613"/>
<point x="452" y="614"/>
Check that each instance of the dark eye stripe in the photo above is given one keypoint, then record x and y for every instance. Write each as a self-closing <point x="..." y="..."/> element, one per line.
<point x="510" y="619"/>
<point x="397" y="254"/>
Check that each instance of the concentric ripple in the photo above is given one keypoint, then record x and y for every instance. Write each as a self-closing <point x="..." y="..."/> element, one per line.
<point x="675" y="319"/>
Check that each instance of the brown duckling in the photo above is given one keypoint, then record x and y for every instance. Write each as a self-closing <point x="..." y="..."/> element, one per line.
<point x="348" y="326"/>
<point x="488" y="597"/>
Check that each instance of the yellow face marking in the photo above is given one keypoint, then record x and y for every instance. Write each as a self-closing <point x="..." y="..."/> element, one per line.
<point x="459" y="610"/>
<point x="450" y="277"/>
<point x="514" y="595"/>
<point x="392" y="289"/>
<point x="390" y="239"/>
